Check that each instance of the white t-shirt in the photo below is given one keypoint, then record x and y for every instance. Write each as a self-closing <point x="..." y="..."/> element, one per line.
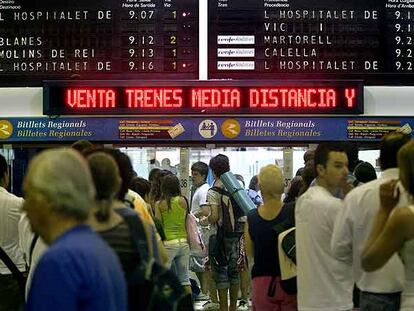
<point x="26" y="238"/>
<point x="199" y="197"/>
<point x="351" y="230"/>
<point x="324" y="284"/>
<point x="10" y="211"/>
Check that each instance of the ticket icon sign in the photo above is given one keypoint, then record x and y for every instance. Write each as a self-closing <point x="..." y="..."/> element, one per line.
<point x="176" y="130"/>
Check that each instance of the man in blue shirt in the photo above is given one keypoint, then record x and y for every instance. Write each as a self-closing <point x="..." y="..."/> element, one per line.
<point x="78" y="271"/>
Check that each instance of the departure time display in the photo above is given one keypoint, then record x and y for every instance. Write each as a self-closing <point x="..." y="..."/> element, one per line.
<point x="323" y="39"/>
<point x="97" y="39"/>
<point x="203" y="97"/>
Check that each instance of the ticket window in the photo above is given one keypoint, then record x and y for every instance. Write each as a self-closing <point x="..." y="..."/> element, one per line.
<point x="144" y="159"/>
<point x="245" y="161"/>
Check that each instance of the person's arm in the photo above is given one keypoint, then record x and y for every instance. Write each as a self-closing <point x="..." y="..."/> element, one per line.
<point x="184" y="204"/>
<point x="342" y="237"/>
<point x="213" y="200"/>
<point x="157" y="211"/>
<point x="162" y="252"/>
<point x="214" y="214"/>
<point x="388" y="232"/>
<point x="248" y="243"/>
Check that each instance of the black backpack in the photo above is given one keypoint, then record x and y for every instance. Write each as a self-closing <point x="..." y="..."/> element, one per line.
<point x="227" y="203"/>
<point x="151" y="286"/>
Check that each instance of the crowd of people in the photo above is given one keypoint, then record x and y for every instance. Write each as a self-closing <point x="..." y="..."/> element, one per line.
<point x="90" y="235"/>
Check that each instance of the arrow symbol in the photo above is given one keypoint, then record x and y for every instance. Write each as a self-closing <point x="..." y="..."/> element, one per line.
<point x="232" y="129"/>
<point x="4" y="129"/>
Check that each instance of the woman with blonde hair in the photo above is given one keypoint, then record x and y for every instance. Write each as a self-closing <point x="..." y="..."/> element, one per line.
<point x="261" y="244"/>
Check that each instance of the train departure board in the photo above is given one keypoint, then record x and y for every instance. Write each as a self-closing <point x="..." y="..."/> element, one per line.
<point x="371" y="40"/>
<point x="97" y="39"/>
<point x="202" y="97"/>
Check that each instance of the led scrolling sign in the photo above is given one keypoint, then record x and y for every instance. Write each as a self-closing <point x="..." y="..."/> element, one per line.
<point x="202" y="97"/>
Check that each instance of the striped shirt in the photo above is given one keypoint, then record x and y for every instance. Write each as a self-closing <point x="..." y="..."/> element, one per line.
<point x="120" y="240"/>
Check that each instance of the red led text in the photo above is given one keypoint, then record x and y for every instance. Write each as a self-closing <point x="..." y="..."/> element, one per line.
<point x="293" y="98"/>
<point x="350" y="97"/>
<point x="215" y="98"/>
<point x="90" y="98"/>
<point x="154" y="98"/>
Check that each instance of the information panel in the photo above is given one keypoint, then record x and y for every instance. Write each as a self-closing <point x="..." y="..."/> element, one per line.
<point x="97" y="39"/>
<point x="175" y="129"/>
<point x="261" y="39"/>
<point x="202" y="97"/>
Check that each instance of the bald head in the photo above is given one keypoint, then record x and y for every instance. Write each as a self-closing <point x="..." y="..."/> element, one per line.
<point x="271" y="181"/>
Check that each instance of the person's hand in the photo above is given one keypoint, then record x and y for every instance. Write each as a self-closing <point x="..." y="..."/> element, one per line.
<point x="346" y="187"/>
<point x="204" y="221"/>
<point x="389" y="195"/>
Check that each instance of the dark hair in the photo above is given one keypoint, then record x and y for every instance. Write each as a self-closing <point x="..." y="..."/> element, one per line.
<point x="352" y="151"/>
<point x="170" y="188"/>
<point x="296" y="185"/>
<point x="152" y="174"/>
<point x="390" y="144"/>
<point x="82" y="145"/>
<point x="201" y="168"/>
<point x="141" y="186"/>
<point x="365" y="172"/>
<point x="3" y="166"/>
<point x="322" y="153"/>
<point x="219" y="164"/>
<point x="308" y="155"/>
<point x="299" y="171"/>
<point x="254" y="183"/>
<point x="240" y="178"/>
<point x="308" y="175"/>
<point x="124" y="167"/>
<point x="105" y="175"/>
<point x="406" y="165"/>
<point x="155" y="192"/>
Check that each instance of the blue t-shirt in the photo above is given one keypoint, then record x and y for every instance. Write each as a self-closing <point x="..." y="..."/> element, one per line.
<point x="78" y="272"/>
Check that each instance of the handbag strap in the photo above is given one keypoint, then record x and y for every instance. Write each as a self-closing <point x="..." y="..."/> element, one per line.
<point x="186" y="202"/>
<point x="139" y="236"/>
<point x="32" y="246"/>
<point x="13" y="269"/>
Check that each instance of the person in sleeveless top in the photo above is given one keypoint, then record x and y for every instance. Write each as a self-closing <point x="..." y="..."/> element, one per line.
<point x="393" y="229"/>
<point x="172" y="210"/>
<point x="110" y="226"/>
<point x="261" y="244"/>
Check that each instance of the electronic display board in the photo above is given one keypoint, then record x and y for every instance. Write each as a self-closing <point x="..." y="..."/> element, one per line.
<point x="371" y="40"/>
<point x="97" y="39"/>
<point x="202" y="97"/>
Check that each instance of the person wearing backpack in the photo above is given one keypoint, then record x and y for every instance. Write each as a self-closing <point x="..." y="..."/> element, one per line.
<point x="124" y="231"/>
<point x="78" y="271"/>
<point x="261" y="243"/>
<point x="225" y="234"/>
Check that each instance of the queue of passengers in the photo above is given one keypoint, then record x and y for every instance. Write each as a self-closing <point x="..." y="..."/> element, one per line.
<point x="92" y="236"/>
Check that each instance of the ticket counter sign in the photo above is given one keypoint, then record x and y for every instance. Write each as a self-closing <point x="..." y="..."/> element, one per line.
<point x="201" y="130"/>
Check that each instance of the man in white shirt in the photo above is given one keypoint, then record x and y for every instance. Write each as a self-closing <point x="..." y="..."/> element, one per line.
<point x="199" y="172"/>
<point x="10" y="211"/>
<point x="380" y="290"/>
<point x="323" y="282"/>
